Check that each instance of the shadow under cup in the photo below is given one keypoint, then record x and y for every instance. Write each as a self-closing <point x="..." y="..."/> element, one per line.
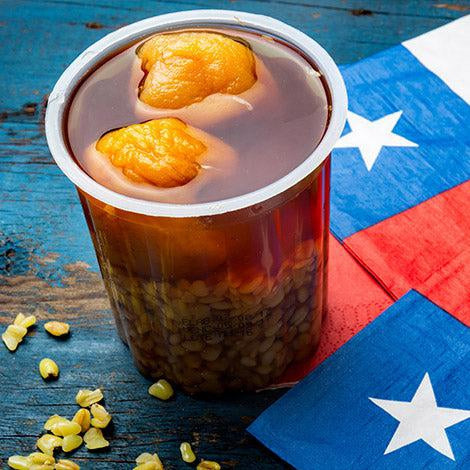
<point x="227" y="297"/>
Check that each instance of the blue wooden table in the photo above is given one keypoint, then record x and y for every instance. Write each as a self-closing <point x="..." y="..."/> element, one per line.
<point x="47" y="263"/>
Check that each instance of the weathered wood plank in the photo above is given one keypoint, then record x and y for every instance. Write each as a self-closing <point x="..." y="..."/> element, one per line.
<point x="96" y="357"/>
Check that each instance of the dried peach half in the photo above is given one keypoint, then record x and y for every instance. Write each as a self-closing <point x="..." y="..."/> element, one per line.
<point x="163" y="160"/>
<point x="186" y="67"/>
<point x="161" y="152"/>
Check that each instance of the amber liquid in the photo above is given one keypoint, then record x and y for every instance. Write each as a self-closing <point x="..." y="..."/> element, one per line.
<point x="223" y="302"/>
<point x="271" y="128"/>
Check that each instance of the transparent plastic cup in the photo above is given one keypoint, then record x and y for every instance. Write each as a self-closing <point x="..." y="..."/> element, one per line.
<point x="214" y="296"/>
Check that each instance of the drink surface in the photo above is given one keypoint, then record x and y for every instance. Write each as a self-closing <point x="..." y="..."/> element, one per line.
<point x="252" y="138"/>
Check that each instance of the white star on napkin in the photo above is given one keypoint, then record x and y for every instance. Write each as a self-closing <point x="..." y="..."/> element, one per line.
<point x="371" y="136"/>
<point x="421" y="418"/>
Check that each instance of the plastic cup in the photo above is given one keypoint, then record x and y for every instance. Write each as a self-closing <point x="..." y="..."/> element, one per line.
<point x="214" y="296"/>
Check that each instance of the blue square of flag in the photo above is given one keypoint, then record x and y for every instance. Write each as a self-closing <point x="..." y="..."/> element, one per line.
<point x="396" y="396"/>
<point x="407" y="140"/>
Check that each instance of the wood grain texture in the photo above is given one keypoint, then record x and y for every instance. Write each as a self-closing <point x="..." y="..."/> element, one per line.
<point x="47" y="264"/>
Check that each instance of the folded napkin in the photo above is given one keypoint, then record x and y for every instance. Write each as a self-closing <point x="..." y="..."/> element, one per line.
<point x="400" y="172"/>
<point x="396" y="396"/>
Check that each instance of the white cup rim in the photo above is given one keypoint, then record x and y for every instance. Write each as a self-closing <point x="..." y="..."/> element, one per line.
<point x="68" y="81"/>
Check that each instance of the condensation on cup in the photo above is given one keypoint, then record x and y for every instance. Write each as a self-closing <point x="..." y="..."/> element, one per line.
<point x="220" y="288"/>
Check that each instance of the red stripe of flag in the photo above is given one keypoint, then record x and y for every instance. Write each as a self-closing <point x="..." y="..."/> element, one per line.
<point x="426" y="248"/>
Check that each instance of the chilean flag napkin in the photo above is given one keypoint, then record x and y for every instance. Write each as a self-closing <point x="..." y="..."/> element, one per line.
<point x="400" y="172"/>
<point x="396" y="396"/>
